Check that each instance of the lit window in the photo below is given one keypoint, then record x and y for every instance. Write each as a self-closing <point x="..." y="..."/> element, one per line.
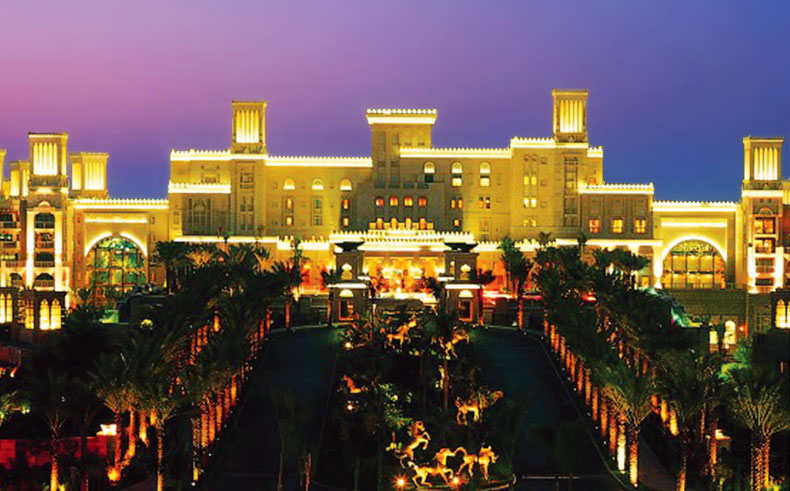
<point x="484" y="202"/>
<point x="429" y="170"/>
<point x="344" y="221"/>
<point x="345" y="185"/>
<point x="457" y="223"/>
<point x="764" y="246"/>
<point x="457" y="171"/>
<point x="408" y="201"/>
<point x="289" y="221"/>
<point x="764" y="226"/>
<point x="408" y="223"/>
<point x="379" y="201"/>
<point x="394" y="223"/>
<point x="488" y="202"/>
<point x="393" y="201"/>
<point x="594" y="225"/>
<point x="617" y="225"/>
<point x="423" y="224"/>
<point x="379" y="223"/>
<point x="289" y="203"/>
<point x="640" y="225"/>
<point x="422" y="201"/>
<point x="318" y="185"/>
<point x="485" y="174"/>
<point x="534" y="202"/>
<point x="289" y="185"/>
<point x="346" y="204"/>
<point x="452" y="203"/>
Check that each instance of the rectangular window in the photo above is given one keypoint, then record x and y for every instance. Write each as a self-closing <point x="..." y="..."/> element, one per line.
<point x="379" y="202"/>
<point x="485" y="224"/>
<point x="423" y="224"/>
<point x="640" y="225"/>
<point x="379" y="223"/>
<point x="617" y="225"/>
<point x="764" y="226"/>
<point x="422" y="201"/>
<point x="317" y="212"/>
<point x="393" y="201"/>
<point x="460" y="202"/>
<point x="289" y="221"/>
<point x="346" y="204"/>
<point x="457" y="223"/>
<point x="344" y="221"/>
<point x="485" y="181"/>
<point x="764" y="246"/>
<point x="408" y="201"/>
<point x="456" y="181"/>
<point x="594" y="225"/>
<point x="452" y="203"/>
<point x="289" y="203"/>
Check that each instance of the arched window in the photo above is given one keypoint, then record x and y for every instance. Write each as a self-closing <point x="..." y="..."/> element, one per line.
<point x="429" y="170"/>
<point x="781" y="315"/>
<point x="55" y="314"/>
<point x="693" y="264"/>
<point x="457" y="171"/>
<point x="43" y="315"/>
<point x="345" y="185"/>
<point x="115" y="265"/>
<point x="318" y="185"/>
<point x="44" y="280"/>
<point x="485" y="174"/>
<point x="289" y="185"/>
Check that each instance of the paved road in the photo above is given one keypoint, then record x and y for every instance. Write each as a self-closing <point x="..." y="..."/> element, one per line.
<point x="302" y="362"/>
<point x="518" y="366"/>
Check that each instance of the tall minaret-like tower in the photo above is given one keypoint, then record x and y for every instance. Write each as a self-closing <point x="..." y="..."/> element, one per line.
<point x="762" y="205"/>
<point x="249" y="127"/>
<point x="570" y="115"/>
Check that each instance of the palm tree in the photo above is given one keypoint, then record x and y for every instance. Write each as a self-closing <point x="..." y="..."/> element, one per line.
<point x="330" y="278"/>
<point x="288" y="425"/>
<point x="10" y="403"/>
<point x="174" y="257"/>
<point x="289" y="275"/>
<point x="111" y="382"/>
<point x="481" y="278"/>
<point x="51" y="394"/>
<point x="629" y="394"/>
<point x="518" y="269"/>
<point x="759" y="403"/>
<point x="683" y="380"/>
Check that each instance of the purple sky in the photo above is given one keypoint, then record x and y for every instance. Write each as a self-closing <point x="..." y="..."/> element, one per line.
<point x="674" y="85"/>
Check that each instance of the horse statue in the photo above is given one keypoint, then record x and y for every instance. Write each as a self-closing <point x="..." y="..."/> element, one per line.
<point x="484" y="458"/>
<point x="423" y="472"/>
<point x="475" y="405"/>
<point x="352" y="387"/>
<point x="419" y="437"/>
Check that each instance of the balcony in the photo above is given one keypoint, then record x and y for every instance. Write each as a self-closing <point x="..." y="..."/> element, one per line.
<point x="45" y="244"/>
<point x="9" y="245"/>
<point x="44" y="284"/>
<point x="44" y="264"/>
<point x="9" y="225"/>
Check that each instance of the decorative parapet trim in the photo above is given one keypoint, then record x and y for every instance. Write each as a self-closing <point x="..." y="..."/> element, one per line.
<point x="120" y="204"/>
<point x="695" y="206"/>
<point x="302" y="161"/>
<point x="401" y="116"/>
<point x="473" y="153"/>
<point x="616" y="188"/>
<point x="197" y="188"/>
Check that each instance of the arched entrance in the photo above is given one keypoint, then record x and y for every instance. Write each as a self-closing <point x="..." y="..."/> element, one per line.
<point x="693" y="264"/>
<point x="114" y="266"/>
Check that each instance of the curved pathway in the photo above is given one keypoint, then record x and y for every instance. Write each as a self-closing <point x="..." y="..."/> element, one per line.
<point x="301" y="362"/>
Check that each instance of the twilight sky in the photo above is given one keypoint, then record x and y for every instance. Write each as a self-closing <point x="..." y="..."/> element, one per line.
<point x="674" y="84"/>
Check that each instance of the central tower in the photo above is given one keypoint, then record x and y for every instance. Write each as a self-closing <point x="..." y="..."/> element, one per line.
<point x="570" y="115"/>
<point x="249" y="127"/>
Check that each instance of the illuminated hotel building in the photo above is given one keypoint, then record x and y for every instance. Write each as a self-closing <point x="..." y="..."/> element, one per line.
<point x="408" y="209"/>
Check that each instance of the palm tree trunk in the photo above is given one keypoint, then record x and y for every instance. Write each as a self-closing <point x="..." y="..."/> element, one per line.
<point x="117" y="442"/>
<point x="53" y="475"/>
<point x="195" y="421"/>
<point x="281" y="467"/>
<point x="143" y="424"/>
<point x="621" y="443"/>
<point x="446" y="386"/>
<point x="587" y="389"/>
<point x="594" y="402"/>
<point x="131" y="446"/>
<point x="480" y="319"/>
<point x="287" y="313"/>
<point x="612" y="433"/>
<point x="681" y="482"/>
<point x="766" y="463"/>
<point x="160" y="444"/>
<point x="211" y="421"/>
<point x="520" y="313"/>
<point x="633" y="454"/>
<point x="713" y="444"/>
<point x="604" y="417"/>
